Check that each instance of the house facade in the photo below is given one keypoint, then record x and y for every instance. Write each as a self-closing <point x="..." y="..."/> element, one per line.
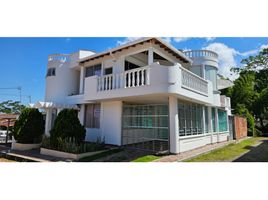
<point x="145" y="94"/>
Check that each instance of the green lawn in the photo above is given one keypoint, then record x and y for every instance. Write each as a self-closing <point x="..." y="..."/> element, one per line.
<point x="229" y="152"/>
<point x="147" y="158"/>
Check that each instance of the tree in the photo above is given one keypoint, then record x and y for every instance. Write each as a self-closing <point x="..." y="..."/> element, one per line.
<point x="249" y="95"/>
<point x="10" y="106"/>
<point x="67" y="125"/>
<point x="29" y="127"/>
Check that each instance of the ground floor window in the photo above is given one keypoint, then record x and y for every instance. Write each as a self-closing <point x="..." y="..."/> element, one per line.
<point x="92" y="116"/>
<point x="190" y="119"/>
<point x="213" y="116"/>
<point x="145" y="126"/>
<point x="222" y="117"/>
<point x="206" y="120"/>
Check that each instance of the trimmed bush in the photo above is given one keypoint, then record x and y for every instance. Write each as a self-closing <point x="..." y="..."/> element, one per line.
<point x="67" y="125"/>
<point x="29" y="127"/>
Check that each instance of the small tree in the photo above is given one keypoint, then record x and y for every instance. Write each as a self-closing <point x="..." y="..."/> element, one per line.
<point x="67" y="125"/>
<point x="29" y="127"/>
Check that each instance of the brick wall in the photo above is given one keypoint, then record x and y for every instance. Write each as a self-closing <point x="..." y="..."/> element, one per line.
<point x="240" y="125"/>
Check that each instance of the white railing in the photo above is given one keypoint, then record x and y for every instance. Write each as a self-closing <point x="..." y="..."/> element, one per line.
<point x="191" y="81"/>
<point x="200" y="53"/>
<point x="59" y="58"/>
<point x="225" y="101"/>
<point x="131" y="78"/>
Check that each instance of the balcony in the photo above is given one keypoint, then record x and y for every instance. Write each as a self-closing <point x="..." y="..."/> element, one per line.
<point x="201" y="53"/>
<point x="59" y="58"/>
<point x="148" y="80"/>
<point x="225" y="101"/>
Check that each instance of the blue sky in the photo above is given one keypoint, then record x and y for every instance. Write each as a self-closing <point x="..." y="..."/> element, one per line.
<point x="23" y="60"/>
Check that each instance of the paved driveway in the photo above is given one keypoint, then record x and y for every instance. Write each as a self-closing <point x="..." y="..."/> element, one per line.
<point x="257" y="153"/>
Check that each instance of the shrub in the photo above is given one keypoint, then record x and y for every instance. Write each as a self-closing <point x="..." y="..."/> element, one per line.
<point x="67" y="125"/>
<point x="29" y="127"/>
<point x="71" y="146"/>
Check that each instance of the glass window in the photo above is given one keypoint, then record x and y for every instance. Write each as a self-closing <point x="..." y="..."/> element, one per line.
<point x="211" y="74"/>
<point x="93" y="70"/>
<point x="51" y="72"/>
<point x="206" y="120"/>
<point x="190" y="119"/>
<point x="92" y="116"/>
<point x="222" y="116"/>
<point x="213" y="116"/>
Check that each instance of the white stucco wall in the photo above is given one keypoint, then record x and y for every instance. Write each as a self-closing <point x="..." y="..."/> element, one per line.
<point x="111" y="122"/>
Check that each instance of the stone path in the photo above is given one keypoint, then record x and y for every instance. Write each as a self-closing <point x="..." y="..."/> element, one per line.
<point x="193" y="153"/>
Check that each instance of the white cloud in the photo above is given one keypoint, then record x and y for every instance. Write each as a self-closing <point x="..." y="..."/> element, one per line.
<point x="226" y="58"/>
<point x="264" y="46"/>
<point x="127" y="40"/>
<point x="167" y="39"/>
<point x="210" y="39"/>
<point x="181" y="39"/>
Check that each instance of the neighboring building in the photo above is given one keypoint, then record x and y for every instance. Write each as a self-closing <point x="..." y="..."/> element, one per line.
<point x="145" y="94"/>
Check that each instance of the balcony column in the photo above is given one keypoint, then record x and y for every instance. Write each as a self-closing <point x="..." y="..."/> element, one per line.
<point x="150" y="56"/>
<point x="203" y="68"/>
<point x="217" y="124"/>
<point x="82" y="79"/>
<point x="210" y="128"/>
<point x="173" y="125"/>
<point x="81" y="113"/>
<point x="48" y="121"/>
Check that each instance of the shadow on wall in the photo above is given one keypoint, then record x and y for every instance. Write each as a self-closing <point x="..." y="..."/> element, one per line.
<point x="256" y="153"/>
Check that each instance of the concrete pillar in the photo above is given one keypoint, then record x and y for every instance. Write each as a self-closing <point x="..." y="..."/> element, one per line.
<point x="48" y="121"/>
<point x="173" y="125"/>
<point x="210" y="128"/>
<point x="217" y="124"/>
<point x="203" y="68"/>
<point x="150" y="56"/>
<point x="81" y="114"/>
<point x="82" y="80"/>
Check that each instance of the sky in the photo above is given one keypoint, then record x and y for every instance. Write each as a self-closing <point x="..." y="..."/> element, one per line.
<point x="23" y="60"/>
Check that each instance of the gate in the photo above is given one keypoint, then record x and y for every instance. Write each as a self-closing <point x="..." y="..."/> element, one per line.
<point x="146" y="127"/>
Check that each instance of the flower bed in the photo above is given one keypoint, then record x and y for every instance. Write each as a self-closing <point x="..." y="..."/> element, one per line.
<point x="68" y="148"/>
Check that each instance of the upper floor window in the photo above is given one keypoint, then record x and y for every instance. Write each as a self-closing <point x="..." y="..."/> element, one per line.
<point x="211" y="74"/>
<point x="51" y="72"/>
<point x="93" y="70"/>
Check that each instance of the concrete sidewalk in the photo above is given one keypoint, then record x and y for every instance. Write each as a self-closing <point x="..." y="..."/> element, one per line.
<point x="193" y="153"/>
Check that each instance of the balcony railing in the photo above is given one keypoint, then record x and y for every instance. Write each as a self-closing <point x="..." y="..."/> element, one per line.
<point x="59" y="58"/>
<point x="200" y="53"/>
<point x="193" y="82"/>
<point x="131" y="78"/>
<point x="225" y="101"/>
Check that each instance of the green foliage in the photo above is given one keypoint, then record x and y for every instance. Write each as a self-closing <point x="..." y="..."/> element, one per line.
<point x="29" y="127"/>
<point x="71" y="146"/>
<point x="243" y="111"/>
<point x="11" y="107"/>
<point x="67" y="125"/>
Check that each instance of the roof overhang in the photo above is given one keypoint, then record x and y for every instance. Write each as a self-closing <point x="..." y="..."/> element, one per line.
<point x="166" y="46"/>
<point x="223" y="84"/>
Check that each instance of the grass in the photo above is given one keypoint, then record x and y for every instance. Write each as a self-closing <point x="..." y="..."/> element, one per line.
<point x="100" y="155"/>
<point x="227" y="153"/>
<point x="148" y="158"/>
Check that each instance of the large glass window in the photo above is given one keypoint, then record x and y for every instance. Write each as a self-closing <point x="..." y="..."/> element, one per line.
<point x="206" y="119"/>
<point x="92" y="116"/>
<point x="190" y="119"/>
<point x="211" y="74"/>
<point x="93" y="70"/>
<point x="222" y="116"/>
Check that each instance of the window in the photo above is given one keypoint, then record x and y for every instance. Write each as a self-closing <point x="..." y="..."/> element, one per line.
<point x="206" y="120"/>
<point x="92" y="116"/>
<point x="211" y="74"/>
<point x="108" y="70"/>
<point x="93" y="70"/>
<point x="190" y="119"/>
<point x="222" y="116"/>
<point x="51" y="72"/>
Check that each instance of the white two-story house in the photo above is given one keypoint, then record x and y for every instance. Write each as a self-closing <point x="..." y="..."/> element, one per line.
<point x="145" y="94"/>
